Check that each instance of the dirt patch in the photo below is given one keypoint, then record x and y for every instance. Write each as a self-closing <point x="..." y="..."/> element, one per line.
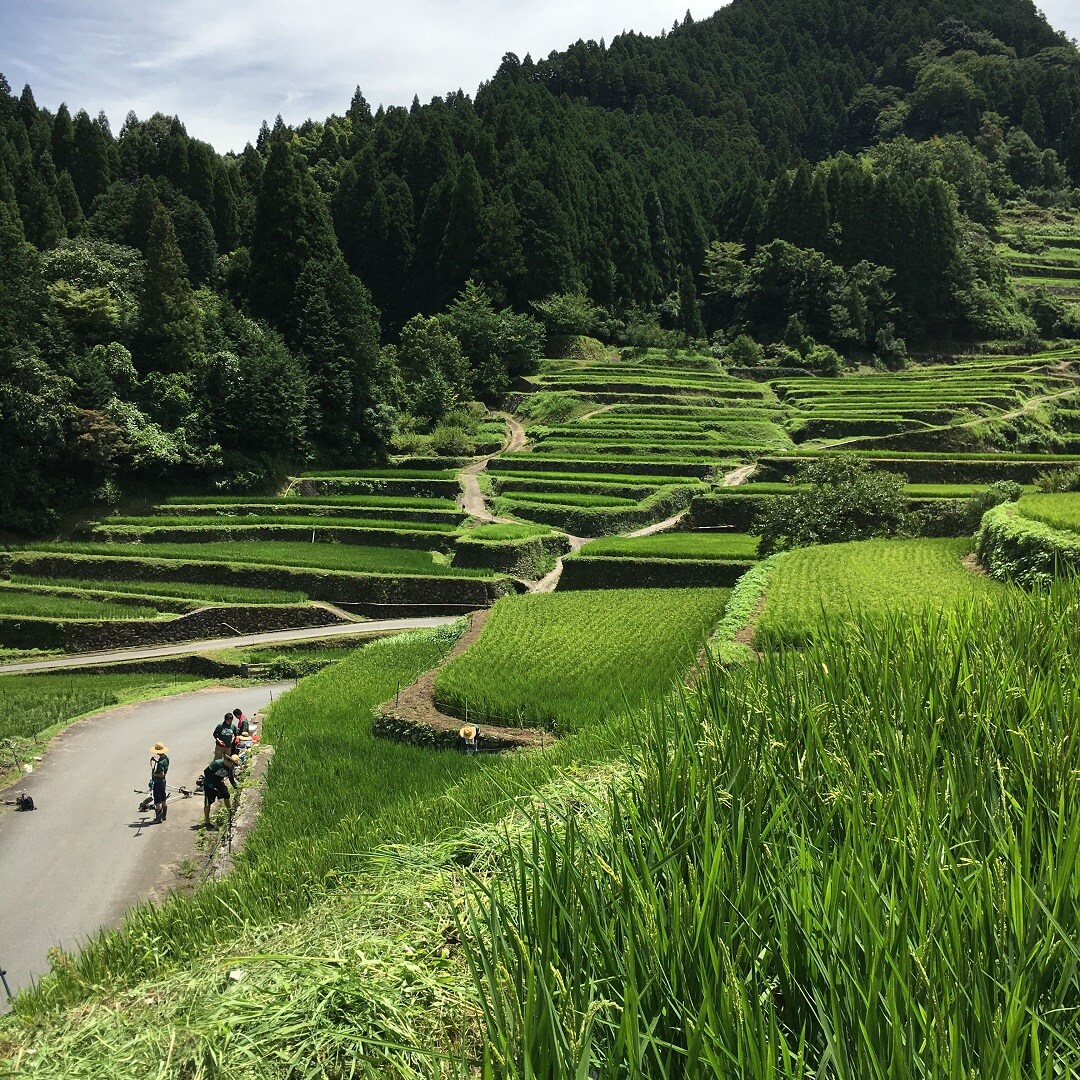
<point x="738" y="476"/>
<point x="412" y="716"/>
<point x="660" y="526"/>
<point x="472" y="499"/>
<point x="972" y="564"/>
<point x="746" y="635"/>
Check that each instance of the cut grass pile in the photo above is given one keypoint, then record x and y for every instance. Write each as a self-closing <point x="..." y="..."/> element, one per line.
<point x="865" y="579"/>
<point x="348" y="557"/>
<point x="674" y="545"/>
<point x="24" y="601"/>
<point x="1059" y="511"/>
<point x="576" y="659"/>
<point x="181" y="590"/>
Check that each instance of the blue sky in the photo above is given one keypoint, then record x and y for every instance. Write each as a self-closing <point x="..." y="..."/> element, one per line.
<point x="224" y="66"/>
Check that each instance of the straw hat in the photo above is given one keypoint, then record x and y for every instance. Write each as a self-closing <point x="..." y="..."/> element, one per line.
<point x="468" y="732"/>
<point x="235" y="759"/>
<point x="159" y="748"/>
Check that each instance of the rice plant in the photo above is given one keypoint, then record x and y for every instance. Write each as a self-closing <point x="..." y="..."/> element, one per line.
<point x="574" y="659"/>
<point x="866" y="579"/>
<point x="349" y="557"/>
<point x="861" y="861"/>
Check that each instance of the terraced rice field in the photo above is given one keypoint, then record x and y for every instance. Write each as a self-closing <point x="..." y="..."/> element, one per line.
<point x="31" y="704"/>
<point x="1059" y="511"/>
<point x="355" y="558"/>
<point x="33" y="602"/>
<point x="179" y="590"/>
<point x="1044" y="253"/>
<point x="722" y="546"/>
<point x="655" y="421"/>
<point x="867" y="578"/>
<point x="577" y="659"/>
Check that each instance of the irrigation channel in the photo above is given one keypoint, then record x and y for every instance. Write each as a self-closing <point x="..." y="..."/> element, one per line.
<point x="86" y="854"/>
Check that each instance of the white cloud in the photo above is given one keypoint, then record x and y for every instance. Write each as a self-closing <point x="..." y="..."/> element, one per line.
<point x="224" y="67"/>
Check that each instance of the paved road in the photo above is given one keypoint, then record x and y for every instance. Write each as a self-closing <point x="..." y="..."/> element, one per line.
<point x="375" y="626"/>
<point x="79" y="861"/>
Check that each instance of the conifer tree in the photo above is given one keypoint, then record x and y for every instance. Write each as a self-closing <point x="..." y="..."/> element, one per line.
<point x="463" y="237"/>
<point x="291" y="228"/>
<point x="170" y="327"/>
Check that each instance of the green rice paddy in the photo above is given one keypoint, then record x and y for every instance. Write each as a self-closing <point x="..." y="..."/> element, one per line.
<point x="576" y="659"/>
<point x="349" y="557"/>
<point x="866" y="579"/>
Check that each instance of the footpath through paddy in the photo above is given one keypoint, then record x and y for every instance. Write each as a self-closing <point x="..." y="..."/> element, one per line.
<point x="86" y="855"/>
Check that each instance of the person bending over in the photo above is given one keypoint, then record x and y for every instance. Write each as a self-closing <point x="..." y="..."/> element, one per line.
<point x="216" y="776"/>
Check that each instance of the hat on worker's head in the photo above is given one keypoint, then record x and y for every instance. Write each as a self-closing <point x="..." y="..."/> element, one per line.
<point x="234" y="758"/>
<point x="159" y="748"/>
<point x="468" y="732"/>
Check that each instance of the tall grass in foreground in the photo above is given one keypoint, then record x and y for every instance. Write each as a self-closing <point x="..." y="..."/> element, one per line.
<point x="857" y="862"/>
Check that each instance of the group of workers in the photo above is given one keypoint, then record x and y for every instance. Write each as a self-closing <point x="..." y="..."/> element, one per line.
<point x="230" y="735"/>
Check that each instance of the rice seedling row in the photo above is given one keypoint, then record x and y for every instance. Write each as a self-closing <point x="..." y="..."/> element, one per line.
<point x="348" y="557"/>
<point x="181" y="590"/>
<point x="724" y="546"/>
<point x="866" y="579"/>
<point x="25" y="600"/>
<point x="575" y="659"/>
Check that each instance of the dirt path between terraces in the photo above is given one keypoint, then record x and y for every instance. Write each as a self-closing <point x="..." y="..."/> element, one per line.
<point x="472" y="499"/>
<point x="414" y="706"/>
<point x="86" y="855"/>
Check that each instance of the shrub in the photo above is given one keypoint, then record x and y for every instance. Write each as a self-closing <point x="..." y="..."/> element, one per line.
<point x="1059" y="480"/>
<point x="845" y="500"/>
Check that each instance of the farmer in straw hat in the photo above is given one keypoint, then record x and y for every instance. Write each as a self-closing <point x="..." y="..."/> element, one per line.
<point x="159" y="767"/>
<point x="470" y="734"/>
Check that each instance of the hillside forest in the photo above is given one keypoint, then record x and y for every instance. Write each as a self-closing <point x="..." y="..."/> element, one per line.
<point x="808" y="184"/>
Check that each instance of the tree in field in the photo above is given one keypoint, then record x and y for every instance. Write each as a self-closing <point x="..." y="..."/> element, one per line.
<point x="500" y="345"/>
<point x="569" y="313"/>
<point x="434" y="365"/>
<point x="845" y="500"/>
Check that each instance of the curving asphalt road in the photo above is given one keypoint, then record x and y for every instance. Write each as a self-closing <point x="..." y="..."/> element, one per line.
<point x="86" y="854"/>
<point x="116" y="656"/>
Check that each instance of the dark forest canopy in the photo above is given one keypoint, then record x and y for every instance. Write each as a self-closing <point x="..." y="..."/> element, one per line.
<point x="826" y="173"/>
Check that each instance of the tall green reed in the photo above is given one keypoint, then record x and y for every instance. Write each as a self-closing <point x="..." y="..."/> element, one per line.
<point x="860" y="861"/>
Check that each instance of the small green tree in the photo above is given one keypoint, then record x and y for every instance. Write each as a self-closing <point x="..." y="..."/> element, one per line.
<point x="844" y="500"/>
